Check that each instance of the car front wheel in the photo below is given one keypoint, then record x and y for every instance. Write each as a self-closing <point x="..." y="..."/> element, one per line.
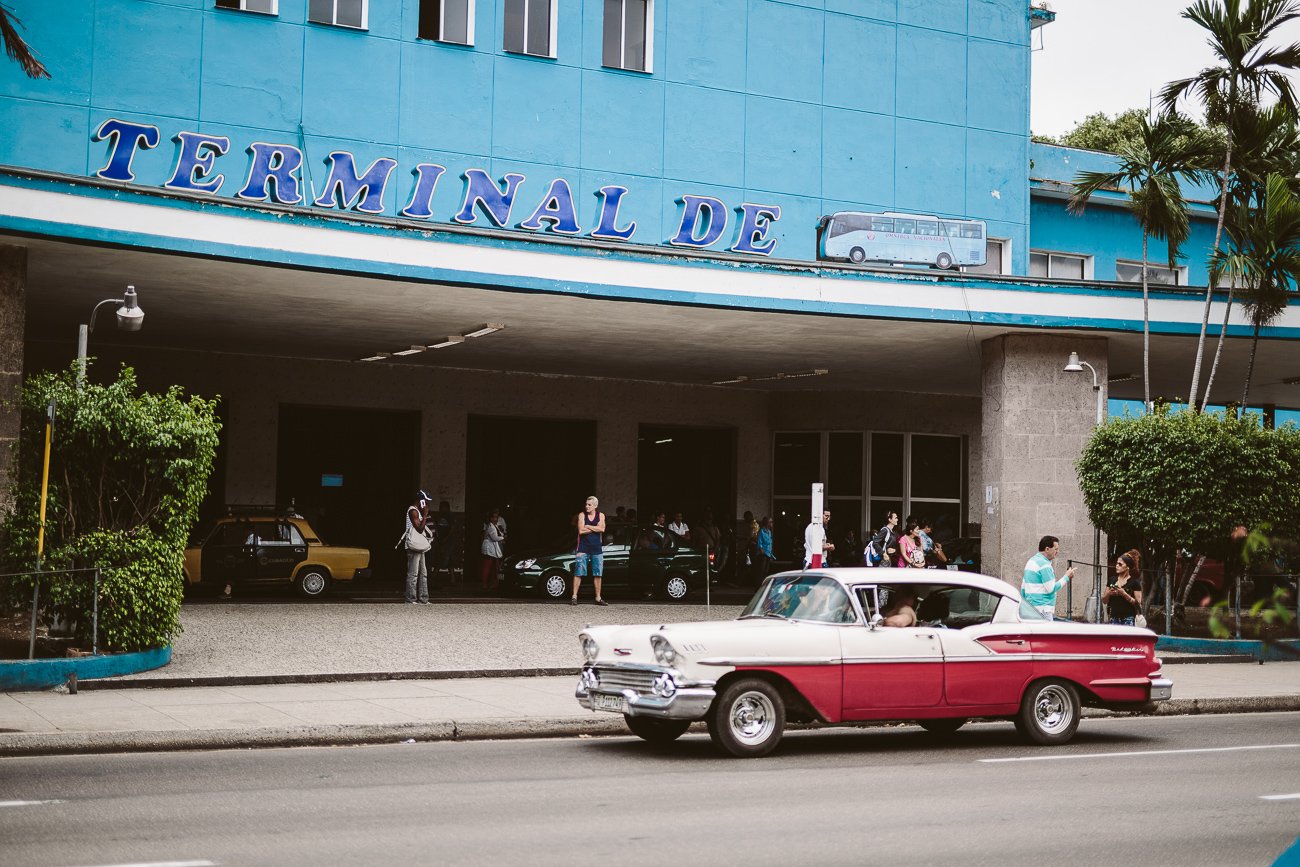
<point x="676" y="588"/>
<point x="555" y="585"/>
<point x="1049" y="712"/>
<point x="656" y="731"/>
<point x="313" y="582"/>
<point x="748" y="719"/>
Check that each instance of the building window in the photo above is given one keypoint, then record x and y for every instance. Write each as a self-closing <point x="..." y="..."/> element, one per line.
<point x="628" y="28"/>
<point x="1059" y="266"/>
<point x="996" y="258"/>
<point x="530" y="27"/>
<point x="266" y="7"/>
<point x="1131" y="272"/>
<point x="447" y="21"/>
<point x="340" y="13"/>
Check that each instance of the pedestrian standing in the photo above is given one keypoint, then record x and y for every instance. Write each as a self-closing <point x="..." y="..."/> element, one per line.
<point x="764" y="545"/>
<point x="493" y="537"/>
<point x="884" y="545"/>
<point x="415" y="539"/>
<point x="809" y="544"/>
<point x="590" y="554"/>
<point x="1123" y="596"/>
<point x="910" y="553"/>
<point x="1040" y="583"/>
<point x="679" y="528"/>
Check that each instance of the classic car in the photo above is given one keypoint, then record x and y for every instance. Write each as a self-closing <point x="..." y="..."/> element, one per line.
<point x="812" y="646"/>
<point x="642" y="562"/>
<point x="270" y="547"/>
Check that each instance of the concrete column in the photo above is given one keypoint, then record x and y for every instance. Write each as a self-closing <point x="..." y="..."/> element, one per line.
<point x="617" y="451"/>
<point x="1036" y="420"/>
<point x="13" y="315"/>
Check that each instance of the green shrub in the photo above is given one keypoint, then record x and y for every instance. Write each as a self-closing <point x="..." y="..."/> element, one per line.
<point x="128" y="472"/>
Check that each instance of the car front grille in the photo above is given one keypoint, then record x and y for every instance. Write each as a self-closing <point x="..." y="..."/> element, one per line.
<point x="623" y="678"/>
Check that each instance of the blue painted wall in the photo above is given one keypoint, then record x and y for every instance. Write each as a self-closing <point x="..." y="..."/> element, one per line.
<point x="813" y="105"/>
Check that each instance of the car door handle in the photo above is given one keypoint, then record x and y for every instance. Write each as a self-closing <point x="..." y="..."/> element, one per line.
<point x="1015" y="641"/>
<point x="924" y="634"/>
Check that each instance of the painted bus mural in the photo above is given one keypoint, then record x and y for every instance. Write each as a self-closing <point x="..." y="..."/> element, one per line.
<point x="912" y="239"/>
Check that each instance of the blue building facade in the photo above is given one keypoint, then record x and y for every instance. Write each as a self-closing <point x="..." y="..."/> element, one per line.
<point x="591" y="228"/>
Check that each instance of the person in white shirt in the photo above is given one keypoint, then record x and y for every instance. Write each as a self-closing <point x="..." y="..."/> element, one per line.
<point x="679" y="529"/>
<point x="808" y="544"/>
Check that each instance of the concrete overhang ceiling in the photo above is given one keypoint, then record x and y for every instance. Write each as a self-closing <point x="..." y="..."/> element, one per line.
<point x="209" y="305"/>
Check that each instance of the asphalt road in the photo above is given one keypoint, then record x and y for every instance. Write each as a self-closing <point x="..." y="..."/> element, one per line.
<point x="1186" y="790"/>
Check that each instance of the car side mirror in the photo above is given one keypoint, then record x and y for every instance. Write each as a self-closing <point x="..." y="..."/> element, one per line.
<point x="875" y="622"/>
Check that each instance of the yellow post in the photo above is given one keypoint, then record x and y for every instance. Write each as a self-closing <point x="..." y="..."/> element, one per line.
<point x="45" y="485"/>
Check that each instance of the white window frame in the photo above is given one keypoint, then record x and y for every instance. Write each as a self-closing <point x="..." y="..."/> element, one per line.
<point x="243" y="7"/>
<point x="551" y="39"/>
<point x="334" y="16"/>
<point x="1087" y="263"/>
<point x="469" y="23"/>
<point x="1179" y="272"/>
<point x="1004" y="264"/>
<point x="622" y="35"/>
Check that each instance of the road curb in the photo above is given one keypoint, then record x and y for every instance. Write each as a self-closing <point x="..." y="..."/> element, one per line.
<point x="346" y="677"/>
<point x="83" y="743"/>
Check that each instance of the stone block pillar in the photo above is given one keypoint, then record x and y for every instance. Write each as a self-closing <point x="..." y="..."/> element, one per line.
<point x="1036" y="420"/>
<point x="13" y="316"/>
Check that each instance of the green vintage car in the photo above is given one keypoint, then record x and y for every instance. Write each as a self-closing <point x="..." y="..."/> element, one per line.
<point x="644" y="562"/>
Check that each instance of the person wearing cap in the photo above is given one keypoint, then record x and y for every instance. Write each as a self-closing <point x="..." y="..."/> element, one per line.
<point x="417" y="570"/>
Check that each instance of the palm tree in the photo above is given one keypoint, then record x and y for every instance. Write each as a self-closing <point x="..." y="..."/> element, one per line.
<point x="1268" y="143"/>
<point x="1150" y="167"/>
<point x="1263" y="254"/>
<point x="1248" y="70"/>
<point x="16" y="47"/>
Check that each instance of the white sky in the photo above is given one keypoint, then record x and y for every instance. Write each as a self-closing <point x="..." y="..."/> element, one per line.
<point x="1110" y="55"/>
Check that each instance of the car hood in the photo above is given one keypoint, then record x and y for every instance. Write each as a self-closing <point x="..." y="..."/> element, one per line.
<point x="712" y="641"/>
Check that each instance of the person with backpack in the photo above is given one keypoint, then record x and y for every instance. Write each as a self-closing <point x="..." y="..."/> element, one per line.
<point x="883" y="548"/>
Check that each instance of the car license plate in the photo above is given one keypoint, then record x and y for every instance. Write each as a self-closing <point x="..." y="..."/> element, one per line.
<point x="611" y="703"/>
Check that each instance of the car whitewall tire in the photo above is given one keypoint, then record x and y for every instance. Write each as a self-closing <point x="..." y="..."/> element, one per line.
<point x="747" y="719"/>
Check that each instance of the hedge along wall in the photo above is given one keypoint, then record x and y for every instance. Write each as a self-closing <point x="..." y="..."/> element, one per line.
<point x="128" y="471"/>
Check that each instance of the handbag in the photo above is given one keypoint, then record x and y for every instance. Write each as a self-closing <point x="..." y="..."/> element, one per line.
<point x="416" y="541"/>
<point x="1139" y="620"/>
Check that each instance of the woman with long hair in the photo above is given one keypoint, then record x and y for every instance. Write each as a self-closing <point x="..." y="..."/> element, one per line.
<point x="1123" y="596"/>
<point x="911" y="553"/>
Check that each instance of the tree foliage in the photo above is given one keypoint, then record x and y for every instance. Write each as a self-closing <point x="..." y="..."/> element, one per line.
<point x="1187" y="479"/>
<point x="128" y="472"/>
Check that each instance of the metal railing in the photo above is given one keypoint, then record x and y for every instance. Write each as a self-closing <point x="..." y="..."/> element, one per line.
<point x="45" y="576"/>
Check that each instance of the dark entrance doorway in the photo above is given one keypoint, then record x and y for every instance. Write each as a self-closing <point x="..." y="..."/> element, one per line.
<point x="537" y="471"/>
<point x="351" y="472"/>
<point x="686" y="469"/>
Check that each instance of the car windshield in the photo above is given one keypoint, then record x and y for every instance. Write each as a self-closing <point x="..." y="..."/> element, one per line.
<point x="802" y="597"/>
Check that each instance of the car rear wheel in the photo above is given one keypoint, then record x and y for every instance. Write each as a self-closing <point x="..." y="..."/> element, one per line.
<point x="555" y="585"/>
<point x="313" y="582"/>
<point x="676" y="586"/>
<point x="941" y="726"/>
<point x="748" y="719"/>
<point x="656" y="731"/>
<point x="1049" y="712"/>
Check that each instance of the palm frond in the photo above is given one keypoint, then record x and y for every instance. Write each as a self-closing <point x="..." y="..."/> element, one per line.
<point x="16" y="47"/>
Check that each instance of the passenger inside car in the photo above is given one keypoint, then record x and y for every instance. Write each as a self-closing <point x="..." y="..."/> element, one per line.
<point x="902" y="608"/>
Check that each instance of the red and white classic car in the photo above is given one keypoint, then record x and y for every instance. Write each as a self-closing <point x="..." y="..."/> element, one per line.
<point x="814" y="646"/>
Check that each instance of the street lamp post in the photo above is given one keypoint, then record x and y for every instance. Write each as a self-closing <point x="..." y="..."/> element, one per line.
<point x="129" y="318"/>
<point x="1092" y="608"/>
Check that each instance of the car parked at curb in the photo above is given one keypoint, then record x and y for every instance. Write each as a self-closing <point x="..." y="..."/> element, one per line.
<point x="812" y="646"/>
<point x="645" y="562"/>
<point x="268" y="546"/>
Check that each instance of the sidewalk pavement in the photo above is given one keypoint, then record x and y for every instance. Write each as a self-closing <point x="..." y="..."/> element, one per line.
<point x="447" y="644"/>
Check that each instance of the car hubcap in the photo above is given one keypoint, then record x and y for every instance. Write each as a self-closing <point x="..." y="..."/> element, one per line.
<point x="555" y="586"/>
<point x="313" y="583"/>
<point x="1052" y="710"/>
<point x="676" y="587"/>
<point x="752" y="718"/>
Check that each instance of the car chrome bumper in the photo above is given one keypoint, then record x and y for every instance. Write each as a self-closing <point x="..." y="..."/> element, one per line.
<point x="688" y="702"/>
<point x="1162" y="689"/>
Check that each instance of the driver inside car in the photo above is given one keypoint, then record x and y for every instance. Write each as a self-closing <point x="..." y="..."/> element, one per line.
<point x="902" y="608"/>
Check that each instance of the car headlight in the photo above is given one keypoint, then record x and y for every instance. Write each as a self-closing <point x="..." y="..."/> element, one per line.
<point x="590" y="648"/>
<point x="664" y="651"/>
<point x="526" y="564"/>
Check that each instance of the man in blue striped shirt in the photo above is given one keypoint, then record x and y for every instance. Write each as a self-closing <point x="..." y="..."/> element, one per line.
<point x="1040" y="582"/>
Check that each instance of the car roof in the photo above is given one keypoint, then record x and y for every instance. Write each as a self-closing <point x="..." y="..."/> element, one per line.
<point x="893" y="575"/>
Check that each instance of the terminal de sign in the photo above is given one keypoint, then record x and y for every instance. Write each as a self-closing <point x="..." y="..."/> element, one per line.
<point x="274" y="175"/>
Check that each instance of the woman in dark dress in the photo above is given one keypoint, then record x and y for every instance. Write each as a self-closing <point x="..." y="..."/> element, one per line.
<point x="1123" y="596"/>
